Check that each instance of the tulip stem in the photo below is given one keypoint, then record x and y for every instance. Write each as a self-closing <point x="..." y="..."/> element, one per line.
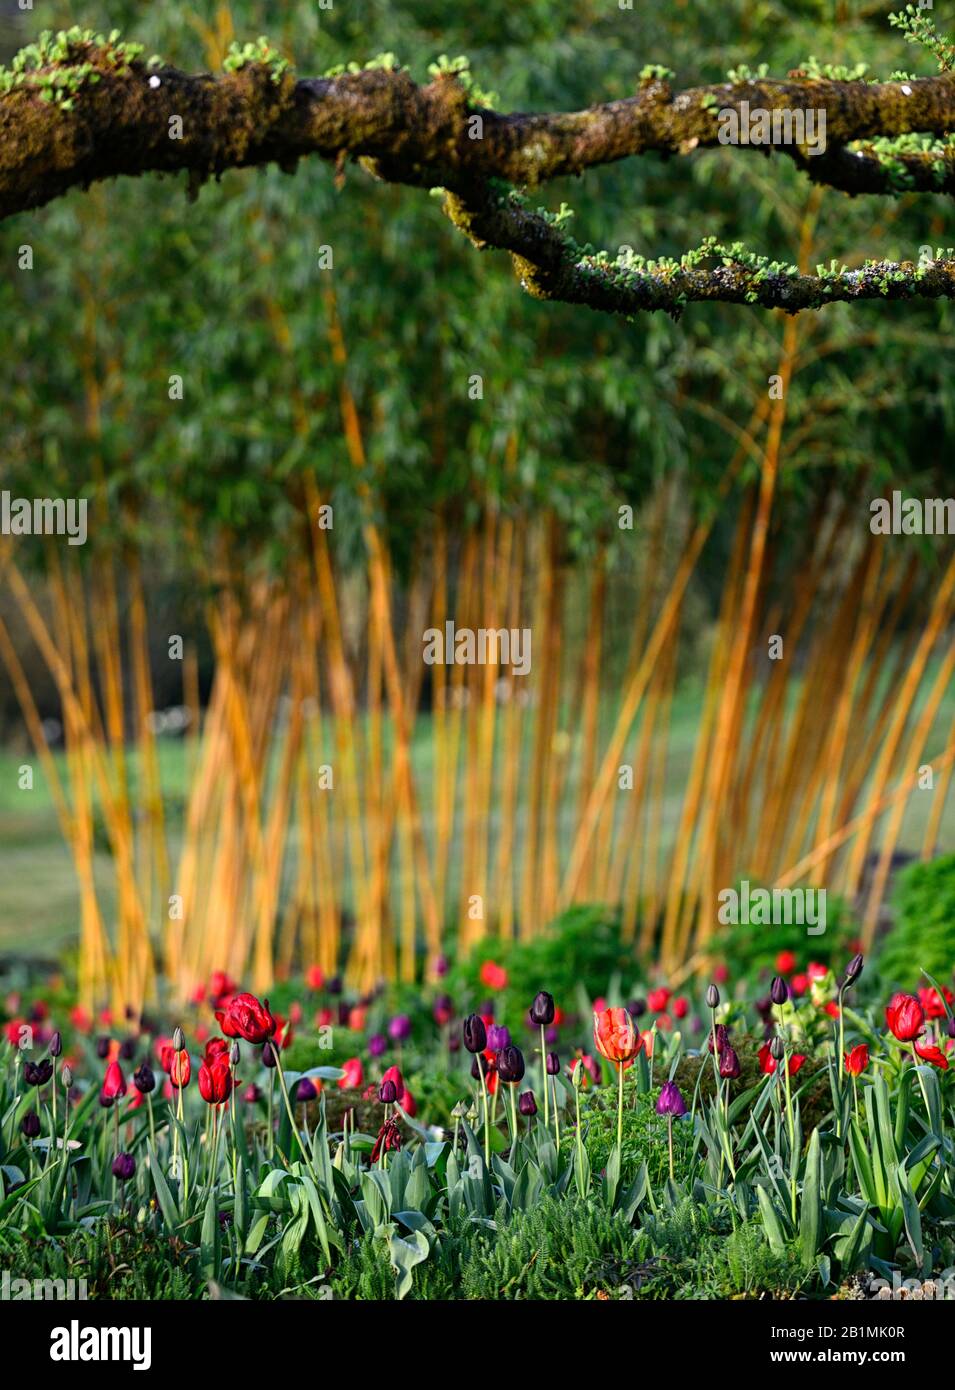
<point x="487" y="1122"/>
<point x="670" y="1139"/>
<point x="620" y="1109"/>
<point x="544" y="1075"/>
<point x="513" y="1089"/>
<point x="915" y="1063"/>
<point x="288" y="1104"/>
<point x="556" y="1116"/>
<point x="792" y="1136"/>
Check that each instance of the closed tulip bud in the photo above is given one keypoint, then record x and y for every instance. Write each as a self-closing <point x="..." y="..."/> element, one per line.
<point x="479" y="1067"/>
<point x="144" y="1079"/>
<point x="178" y="1039"/>
<point x="779" y="990"/>
<point x="777" y="1048"/>
<point x="30" y="1125"/>
<point x="268" y="1055"/>
<point x="577" y="1075"/>
<point x="713" y="997"/>
<point x="553" y="1064"/>
<point x="388" y="1093"/>
<point x="102" y="1048"/>
<point x="235" y="1054"/>
<point x="526" y="1103"/>
<point x="66" y="1075"/>
<point x="305" y="1089"/>
<point x="127" y="1049"/>
<point x="542" y="1010"/>
<point x="636" y="1007"/>
<point x="56" y="1044"/>
<point x="729" y="1063"/>
<point x="124" y="1166"/>
<point x="853" y="970"/>
<point x="475" y="1033"/>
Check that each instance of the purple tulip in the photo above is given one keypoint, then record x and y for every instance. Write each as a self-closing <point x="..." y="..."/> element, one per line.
<point x="526" y="1103"/>
<point x="670" y="1101"/>
<point x="498" y="1037"/>
<point x="399" y="1029"/>
<point x="124" y="1166"/>
<point x="388" y="1092"/>
<point x="377" y="1045"/>
<point x="553" y="1064"/>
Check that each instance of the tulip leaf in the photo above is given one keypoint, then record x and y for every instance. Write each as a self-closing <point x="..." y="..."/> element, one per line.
<point x="810" y="1217"/>
<point x="405" y="1254"/>
<point x="167" y="1203"/>
<point x="771" y="1223"/>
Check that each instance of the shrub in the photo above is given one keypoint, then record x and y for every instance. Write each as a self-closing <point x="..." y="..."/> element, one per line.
<point x="924" y="935"/>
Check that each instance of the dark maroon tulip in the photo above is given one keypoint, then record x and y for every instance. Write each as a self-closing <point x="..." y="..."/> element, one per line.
<point x="102" y="1048"/>
<point x="268" y="1055"/>
<point x="475" y="1033"/>
<point x="636" y="1007"/>
<point x="729" y="1063"/>
<point x="670" y="1101"/>
<point x="713" y="997"/>
<point x="722" y="1038"/>
<point x="30" y="1125"/>
<point x="542" y="1010"/>
<point x="335" y="985"/>
<point x="779" y="990"/>
<point x="56" y="1044"/>
<point x="510" y="1064"/>
<point x="777" y="1048"/>
<point x="526" y="1103"/>
<point x="388" y="1092"/>
<point x="479" y="1065"/>
<point x="235" y="1053"/>
<point x="305" y="1089"/>
<point x="498" y="1037"/>
<point x="553" y="1064"/>
<point x="127" y="1049"/>
<point x="124" y="1166"/>
<point x="144" y="1079"/>
<point x="38" y="1073"/>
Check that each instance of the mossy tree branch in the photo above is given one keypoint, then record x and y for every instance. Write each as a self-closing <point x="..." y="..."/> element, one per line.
<point x="96" y="116"/>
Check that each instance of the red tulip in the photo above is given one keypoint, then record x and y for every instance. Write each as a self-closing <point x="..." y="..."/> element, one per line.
<point x="246" y="1017"/>
<point x="930" y="1053"/>
<point x="932" y="1004"/>
<point x="178" y="1067"/>
<point x="114" y="1083"/>
<point x="657" y="999"/>
<point x="354" y="1076"/>
<point x="215" y="1080"/>
<point x="314" y="977"/>
<point x="215" y="1047"/>
<point x="905" y="1017"/>
<point x="785" y="962"/>
<point x="493" y="975"/>
<point x="768" y="1063"/>
<point x="857" y="1060"/>
<point x="681" y="1007"/>
<point x="394" y="1074"/>
<point x="615" y="1036"/>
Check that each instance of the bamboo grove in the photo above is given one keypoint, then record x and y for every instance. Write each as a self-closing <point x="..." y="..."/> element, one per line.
<point x="345" y="803"/>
